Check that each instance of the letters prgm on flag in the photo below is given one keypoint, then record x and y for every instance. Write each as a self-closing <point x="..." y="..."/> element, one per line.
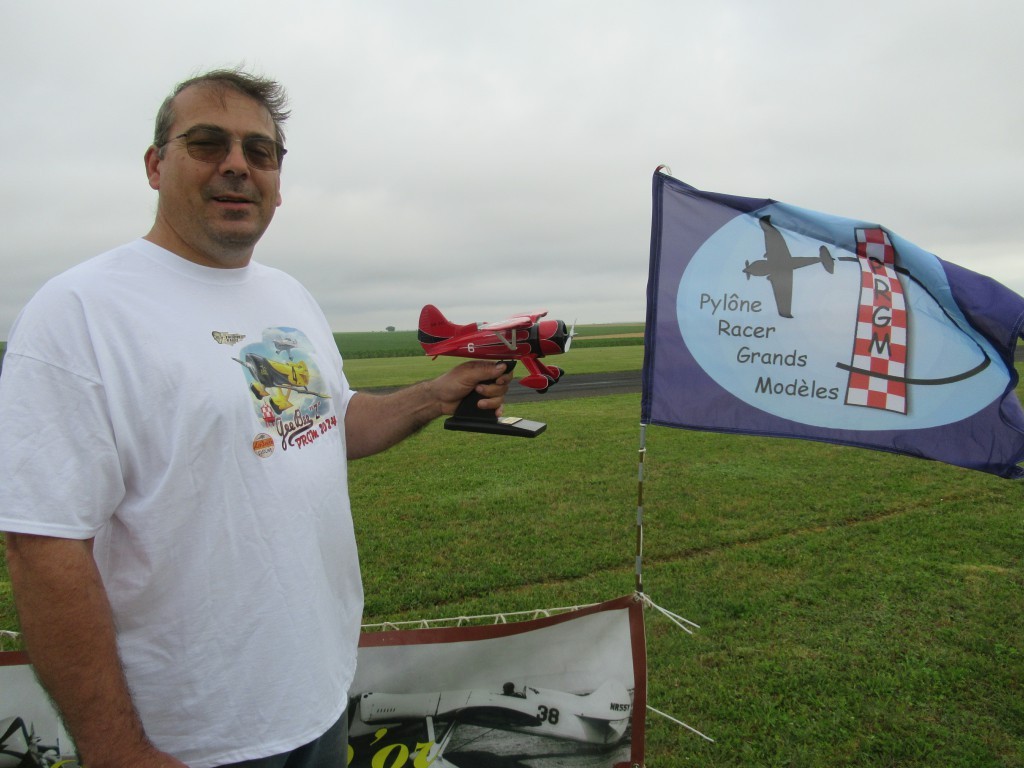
<point x="878" y="369"/>
<point x="768" y="319"/>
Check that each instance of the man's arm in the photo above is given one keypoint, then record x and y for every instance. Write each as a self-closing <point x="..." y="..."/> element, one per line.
<point x="374" y="423"/>
<point x="68" y="629"/>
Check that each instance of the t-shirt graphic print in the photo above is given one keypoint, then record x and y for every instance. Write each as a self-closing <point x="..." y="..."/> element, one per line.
<point x="289" y="394"/>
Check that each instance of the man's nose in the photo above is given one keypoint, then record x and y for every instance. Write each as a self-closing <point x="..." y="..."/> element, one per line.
<point x="235" y="161"/>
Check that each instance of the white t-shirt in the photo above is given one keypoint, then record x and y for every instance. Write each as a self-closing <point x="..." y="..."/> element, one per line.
<point x="192" y="421"/>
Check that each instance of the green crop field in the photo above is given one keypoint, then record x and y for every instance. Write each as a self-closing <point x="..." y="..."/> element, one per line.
<point x="857" y="608"/>
<point x="377" y="344"/>
<point x="360" y="345"/>
<point x="355" y="345"/>
<point x="609" y="330"/>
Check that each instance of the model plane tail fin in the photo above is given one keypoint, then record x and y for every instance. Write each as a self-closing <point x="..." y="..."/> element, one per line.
<point x="826" y="260"/>
<point x="435" y="327"/>
<point x="610" y="701"/>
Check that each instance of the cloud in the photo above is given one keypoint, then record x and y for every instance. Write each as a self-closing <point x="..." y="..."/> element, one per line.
<point x="496" y="157"/>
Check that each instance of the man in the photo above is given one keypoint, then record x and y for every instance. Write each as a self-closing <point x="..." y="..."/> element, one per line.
<point x="173" y="470"/>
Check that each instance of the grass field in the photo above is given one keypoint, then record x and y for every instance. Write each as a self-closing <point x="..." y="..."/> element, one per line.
<point x="857" y="608"/>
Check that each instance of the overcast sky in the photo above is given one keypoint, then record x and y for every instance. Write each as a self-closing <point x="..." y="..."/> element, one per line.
<point x="496" y="157"/>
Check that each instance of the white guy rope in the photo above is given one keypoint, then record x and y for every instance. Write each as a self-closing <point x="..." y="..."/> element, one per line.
<point x="491" y="618"/>
<point x="679" y="621"/>
<point x="680" y="722"/>
<point x="7" y="635"/>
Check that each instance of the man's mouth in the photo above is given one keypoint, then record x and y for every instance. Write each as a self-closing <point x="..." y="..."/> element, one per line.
<point x="230" y="199"/>
<point x="232" y="196"/>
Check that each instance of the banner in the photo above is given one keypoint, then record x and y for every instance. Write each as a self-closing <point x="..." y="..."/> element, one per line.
<point x="31" y="733"/>
<point x="768" y="319"/>
<point x="567" y="690"/>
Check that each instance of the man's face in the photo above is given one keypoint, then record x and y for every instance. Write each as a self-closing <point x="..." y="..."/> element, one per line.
<point x="213" y="213"/>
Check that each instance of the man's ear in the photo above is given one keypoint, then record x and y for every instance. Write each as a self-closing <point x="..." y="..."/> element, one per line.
<point x="153" y="166"/>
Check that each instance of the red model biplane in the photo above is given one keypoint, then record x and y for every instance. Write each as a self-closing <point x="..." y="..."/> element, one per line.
<point x="520" y="337"/>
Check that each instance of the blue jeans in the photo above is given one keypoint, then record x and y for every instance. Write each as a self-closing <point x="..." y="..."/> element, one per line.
<point x="328" y="751"/>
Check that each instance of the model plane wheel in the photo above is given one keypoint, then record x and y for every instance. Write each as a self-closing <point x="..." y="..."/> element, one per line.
<point x="551" y="380"/>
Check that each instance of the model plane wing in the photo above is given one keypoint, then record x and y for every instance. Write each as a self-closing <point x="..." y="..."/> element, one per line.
<point x="514" y="323"/>
<point x="782" y="287"/>
<point x="776" y="251"/>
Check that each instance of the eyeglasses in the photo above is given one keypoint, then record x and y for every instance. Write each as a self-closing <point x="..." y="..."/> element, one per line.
<point x="212" y="145"/>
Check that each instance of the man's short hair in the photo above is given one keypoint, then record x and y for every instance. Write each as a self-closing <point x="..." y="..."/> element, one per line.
<point x="267" y="92"/>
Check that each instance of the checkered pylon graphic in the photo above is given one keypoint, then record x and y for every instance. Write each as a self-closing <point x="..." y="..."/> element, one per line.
<point x="879" y="362"/>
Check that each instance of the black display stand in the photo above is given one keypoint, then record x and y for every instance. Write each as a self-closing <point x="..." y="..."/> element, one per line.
<point x="469" y="417"/>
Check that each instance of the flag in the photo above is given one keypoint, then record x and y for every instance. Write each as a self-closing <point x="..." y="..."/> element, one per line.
<point x="768" y="319"/>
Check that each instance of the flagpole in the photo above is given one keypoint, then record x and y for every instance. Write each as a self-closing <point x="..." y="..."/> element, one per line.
<point x="640" y="510"/>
